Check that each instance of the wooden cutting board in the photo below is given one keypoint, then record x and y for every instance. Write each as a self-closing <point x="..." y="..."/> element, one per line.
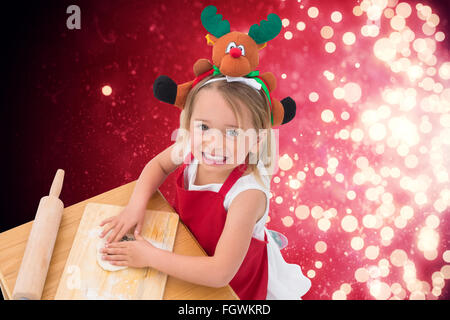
<point x="83" y="278"/>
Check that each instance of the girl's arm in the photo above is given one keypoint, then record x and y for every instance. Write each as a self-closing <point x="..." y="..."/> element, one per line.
<point x="218" y="270"/>
<point x="151" y="177"/>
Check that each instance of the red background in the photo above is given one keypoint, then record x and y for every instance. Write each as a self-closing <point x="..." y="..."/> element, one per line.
<point x="55" y="116"/>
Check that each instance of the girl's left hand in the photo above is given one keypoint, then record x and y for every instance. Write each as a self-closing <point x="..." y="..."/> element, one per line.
<point x="129" y="253"/>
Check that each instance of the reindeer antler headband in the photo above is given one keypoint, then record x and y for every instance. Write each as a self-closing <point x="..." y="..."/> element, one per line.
<point x="235" y="55"/>
<point x="213" y="23"/>
<point x="250" y="79"/>
<point x="262" y="33"/>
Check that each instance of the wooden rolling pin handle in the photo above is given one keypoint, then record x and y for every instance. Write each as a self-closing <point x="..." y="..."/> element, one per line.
<point x="41" y="241"/>
<point x="55" y="189"/>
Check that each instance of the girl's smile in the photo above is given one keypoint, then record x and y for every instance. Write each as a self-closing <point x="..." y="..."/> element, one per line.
<point x="213" y="160"/>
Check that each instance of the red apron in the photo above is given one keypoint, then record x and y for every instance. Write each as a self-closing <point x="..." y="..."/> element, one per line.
<point x="202" y="211"/>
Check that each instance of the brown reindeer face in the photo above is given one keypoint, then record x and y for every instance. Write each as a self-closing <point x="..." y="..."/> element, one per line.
<point x="236" y="53"/>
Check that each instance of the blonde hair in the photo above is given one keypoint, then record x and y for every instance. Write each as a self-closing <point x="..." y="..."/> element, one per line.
<point x="237" y="94"/>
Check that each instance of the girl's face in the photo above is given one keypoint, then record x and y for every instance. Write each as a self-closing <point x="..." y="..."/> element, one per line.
<point x="216" y="139"/>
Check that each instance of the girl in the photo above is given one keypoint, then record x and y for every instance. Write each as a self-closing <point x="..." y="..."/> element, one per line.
<point x="223" y="191"/>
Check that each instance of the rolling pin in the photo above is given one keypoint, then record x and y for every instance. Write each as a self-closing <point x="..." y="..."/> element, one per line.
<point x="38" y="252"/>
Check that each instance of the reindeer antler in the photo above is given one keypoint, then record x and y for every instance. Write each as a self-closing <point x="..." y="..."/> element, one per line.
<point x="268" y="29"/>
<point x="213" y="22"/>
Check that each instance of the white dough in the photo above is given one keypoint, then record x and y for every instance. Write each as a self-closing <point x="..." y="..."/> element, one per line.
<point x="105" y="264"/>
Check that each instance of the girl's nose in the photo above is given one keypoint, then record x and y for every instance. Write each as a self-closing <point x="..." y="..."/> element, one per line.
<point x="235" y="52"/>
<point x="215" y="145"/>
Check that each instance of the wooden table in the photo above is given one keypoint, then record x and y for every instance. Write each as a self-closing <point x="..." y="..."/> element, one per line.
<point x="13" y="243"/>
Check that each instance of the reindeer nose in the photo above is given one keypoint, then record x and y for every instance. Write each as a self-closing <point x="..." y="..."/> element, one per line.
<point x="235" y="52"/>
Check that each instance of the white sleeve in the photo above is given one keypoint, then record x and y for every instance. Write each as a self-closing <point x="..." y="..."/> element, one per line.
<point x="258" y="229"/>
<point x="242" y="185"/>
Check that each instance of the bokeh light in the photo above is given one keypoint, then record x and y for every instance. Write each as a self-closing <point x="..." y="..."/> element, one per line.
<point x="106" y="90"/>
<point x="389" y="190"/>
<point x="362" y="189"/>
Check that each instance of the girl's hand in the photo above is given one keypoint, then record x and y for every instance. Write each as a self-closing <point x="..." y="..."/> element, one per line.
<point x="129" y="253"/>
<point x="119" y="225"/>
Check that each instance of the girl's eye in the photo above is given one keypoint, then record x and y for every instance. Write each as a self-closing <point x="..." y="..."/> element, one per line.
<point x="203" y="127"/>
<point x="232" y="132"/>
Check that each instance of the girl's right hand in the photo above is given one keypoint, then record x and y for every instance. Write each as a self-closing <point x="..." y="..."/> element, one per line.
<point x="120" y="224"/>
